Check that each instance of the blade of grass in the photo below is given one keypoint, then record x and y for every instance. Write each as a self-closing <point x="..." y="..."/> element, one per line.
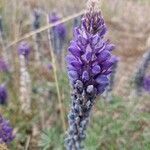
<point x="46" y="27"/>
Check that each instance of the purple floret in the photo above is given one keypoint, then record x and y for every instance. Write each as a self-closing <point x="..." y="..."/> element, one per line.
<point x="6" y="131"/>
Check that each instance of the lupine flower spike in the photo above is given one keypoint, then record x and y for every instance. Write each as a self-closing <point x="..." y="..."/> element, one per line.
<point x="25" y="81"/>
<point x="89" y="65"/>
<point x="58" y="34"/>
<point x="37" y="37"/>
<point x="139" y="77"/>
<point x="3" y="95"/>
<point x="6" y="132"/>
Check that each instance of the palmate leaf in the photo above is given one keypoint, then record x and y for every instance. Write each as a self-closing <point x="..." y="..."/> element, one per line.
<point x="49" y="139"/>
<point x="46" y="139"/>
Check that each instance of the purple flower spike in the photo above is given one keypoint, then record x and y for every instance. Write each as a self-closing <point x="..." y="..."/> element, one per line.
<point x="89" y="65"/>
<point x="61" y="29"/>
<point x="6" y="131"/>
<point x="3" y="95"/>
<point x="91" y="51"/>
<point x="3" y="66"/>
<point x="24" y="49"/>
<point x="146" y="83"/>
<point x="58" y="33"/>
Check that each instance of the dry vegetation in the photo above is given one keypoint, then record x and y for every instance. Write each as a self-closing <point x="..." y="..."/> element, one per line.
<point x="129" y="29"/>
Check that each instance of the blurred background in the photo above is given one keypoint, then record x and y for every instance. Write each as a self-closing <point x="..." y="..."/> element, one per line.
<point x="35" y="91"/>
